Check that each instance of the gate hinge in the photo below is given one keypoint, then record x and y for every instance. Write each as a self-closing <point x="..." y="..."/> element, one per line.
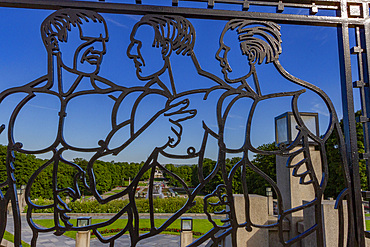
<point x="356" y="50"/>
<point x="362" y="119"/>
<point x="365" y="194"/>
<point x="358" y="84"/>
<point x="364" y="156"/>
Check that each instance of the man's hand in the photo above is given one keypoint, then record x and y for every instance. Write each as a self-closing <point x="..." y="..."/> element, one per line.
<point x="176" y="113"/>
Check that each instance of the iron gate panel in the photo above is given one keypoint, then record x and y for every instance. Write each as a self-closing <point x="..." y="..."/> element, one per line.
<point x="175" y="107"/>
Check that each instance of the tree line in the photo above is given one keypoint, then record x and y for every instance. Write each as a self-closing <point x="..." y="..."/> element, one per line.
<point x="109" y="175"/>
<point x="267" y="163"/>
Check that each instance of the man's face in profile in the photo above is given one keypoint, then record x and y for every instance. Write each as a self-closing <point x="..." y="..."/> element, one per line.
<point x="148" y="59"/>
<point x="83" y="52"/>
<point x="233" y="60"/>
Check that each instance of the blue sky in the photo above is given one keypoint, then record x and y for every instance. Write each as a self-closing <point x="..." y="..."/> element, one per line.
<point x="309" y="53"/>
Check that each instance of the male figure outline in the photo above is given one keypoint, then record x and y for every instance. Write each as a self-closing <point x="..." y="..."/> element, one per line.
<point x="260" y="41"/>
<point x="172" y="34"/>
<point x="83" y="66"/>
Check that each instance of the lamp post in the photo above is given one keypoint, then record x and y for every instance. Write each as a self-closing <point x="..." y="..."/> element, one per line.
<point x="83" y="221"/>
<point x="293" y="190"/>
<point x="285" y="126"/>
<point x="21" y="199"/>
<point x="270" y="201"/>
<point x="186" y="235"/>
<point x="23" y="196"/>
<point x="83" y="237"/>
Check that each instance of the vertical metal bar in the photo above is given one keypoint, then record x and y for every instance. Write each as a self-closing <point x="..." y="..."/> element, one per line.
<point x="349" y="125"/>
<point x="12" y="191"/>
<point x="366" y="89"/>
<point x="365" y="98"/>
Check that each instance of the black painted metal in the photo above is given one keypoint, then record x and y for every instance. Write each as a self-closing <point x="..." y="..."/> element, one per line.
<point x="180" y="39"/>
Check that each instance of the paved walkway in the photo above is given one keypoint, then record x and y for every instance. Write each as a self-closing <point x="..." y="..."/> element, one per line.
<point x="50" y="240"/>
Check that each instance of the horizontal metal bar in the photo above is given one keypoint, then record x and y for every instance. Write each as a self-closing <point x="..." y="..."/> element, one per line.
<point x="121" y="8"/>
<point x="302" y="4"/>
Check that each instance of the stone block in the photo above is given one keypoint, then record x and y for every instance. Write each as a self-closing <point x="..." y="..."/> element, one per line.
<point x="259" y="215"/>
<point x="83" y="239"/>
<point x="186" y="238"/>
<point x="330" y="219"/>
<point x="293" y="193"/>
<point x="274" y="239"/>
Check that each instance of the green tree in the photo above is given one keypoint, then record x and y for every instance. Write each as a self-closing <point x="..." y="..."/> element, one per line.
<point x="336" y="179"/>
<point x="185" y="172"/>
<point x="267" y="164"/>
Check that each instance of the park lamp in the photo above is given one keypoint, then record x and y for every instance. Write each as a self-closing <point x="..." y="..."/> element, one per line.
<point x="83" y="221"/>
<point x="268" y="192"/>
<point x="186" y="224"/>
<point x="285" y="126"/>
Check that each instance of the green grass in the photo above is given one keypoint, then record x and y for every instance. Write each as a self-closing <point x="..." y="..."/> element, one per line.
<point x="199" y="225"/>
<point x="10" y="237"/>
<point x="117" y="191"/>
<point x="125" y="183"/>
<point x="110" y="194"/>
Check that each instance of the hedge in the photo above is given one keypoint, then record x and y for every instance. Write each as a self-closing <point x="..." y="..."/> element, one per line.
<point x="167" y="205"/>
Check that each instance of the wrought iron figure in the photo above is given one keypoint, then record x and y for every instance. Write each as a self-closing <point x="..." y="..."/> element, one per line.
<point x="260" y="41"/>
<point x="78" y="52"/>
<point x="172" y="34"/>
<point x="76" y="74"/>
<point x="83" y="66"/>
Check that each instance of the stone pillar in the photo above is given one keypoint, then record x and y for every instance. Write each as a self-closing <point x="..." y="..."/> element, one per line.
<point x="330" y="222"/>
<point x="186" y="238"/>
<point x="270" y="204"/>
<point x="259" y="215"/>
<point x="83" y="239"/>
<point x="293" y="193"/>
<point x="21" y="200"/>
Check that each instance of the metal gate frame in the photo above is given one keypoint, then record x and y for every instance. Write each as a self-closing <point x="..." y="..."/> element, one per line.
<point x="350" y="14"/>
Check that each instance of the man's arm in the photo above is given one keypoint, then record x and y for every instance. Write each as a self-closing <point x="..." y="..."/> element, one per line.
<point x="150" y="114"/>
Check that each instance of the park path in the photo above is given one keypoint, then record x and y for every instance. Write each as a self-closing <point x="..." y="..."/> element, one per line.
<point x="50" y="240"/>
